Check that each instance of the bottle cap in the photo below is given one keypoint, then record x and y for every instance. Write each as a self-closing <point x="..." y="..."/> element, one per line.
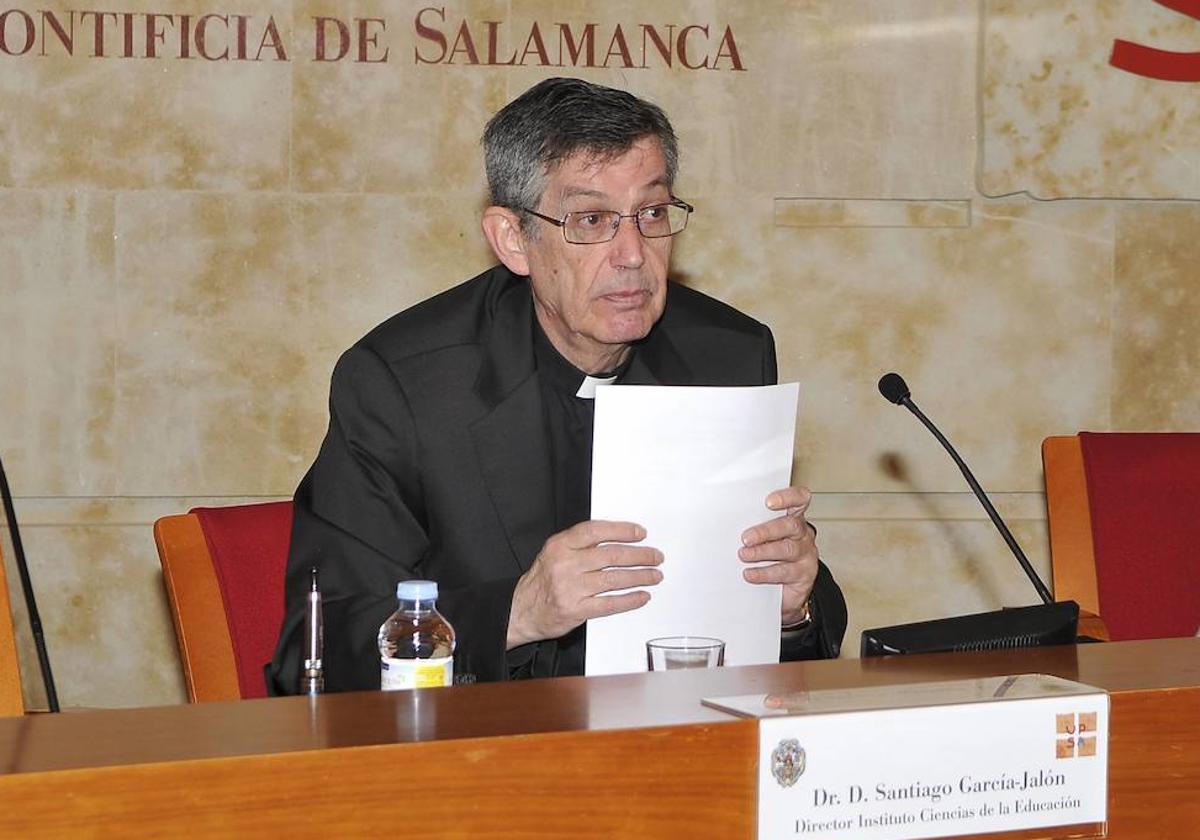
<point x="417" y="590"/>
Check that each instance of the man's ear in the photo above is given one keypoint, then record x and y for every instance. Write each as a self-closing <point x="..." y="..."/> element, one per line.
<point x="502" y="227"/>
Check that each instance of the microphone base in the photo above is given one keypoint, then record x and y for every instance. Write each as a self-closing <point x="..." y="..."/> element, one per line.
<point x="1014" y="627"/>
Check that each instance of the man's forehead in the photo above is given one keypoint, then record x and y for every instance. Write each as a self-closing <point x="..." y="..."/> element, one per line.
<point x="595" y="174"/>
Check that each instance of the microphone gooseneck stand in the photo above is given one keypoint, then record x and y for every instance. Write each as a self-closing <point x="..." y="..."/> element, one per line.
<point x="894" y="390"/>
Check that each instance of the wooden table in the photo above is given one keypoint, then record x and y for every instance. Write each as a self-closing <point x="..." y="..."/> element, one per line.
<point x="630" y="756"/>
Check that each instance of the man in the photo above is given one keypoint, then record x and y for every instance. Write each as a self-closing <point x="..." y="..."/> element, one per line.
<point x="459" y="443"/>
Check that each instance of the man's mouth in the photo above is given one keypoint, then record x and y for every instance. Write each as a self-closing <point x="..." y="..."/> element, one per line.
<point x="626" y="297"/>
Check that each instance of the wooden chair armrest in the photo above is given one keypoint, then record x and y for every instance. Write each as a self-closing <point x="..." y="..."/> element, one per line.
<point x="1092" y="625"/>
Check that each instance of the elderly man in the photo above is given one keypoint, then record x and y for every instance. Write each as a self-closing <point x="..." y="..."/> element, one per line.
<point x="459" y="442"/>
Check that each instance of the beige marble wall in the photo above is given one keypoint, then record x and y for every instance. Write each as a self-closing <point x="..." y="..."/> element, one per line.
<point x="186" y="246"/>
<point x="1059" y="121"/>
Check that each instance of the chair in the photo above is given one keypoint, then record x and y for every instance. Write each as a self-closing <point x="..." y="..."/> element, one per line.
<point x="223" y="569"/>
<point x="11" y="701"/>
<point x="1124" y="515"/>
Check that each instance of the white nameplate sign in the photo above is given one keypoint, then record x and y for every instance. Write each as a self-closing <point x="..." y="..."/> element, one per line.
<point x="931" y="759"/>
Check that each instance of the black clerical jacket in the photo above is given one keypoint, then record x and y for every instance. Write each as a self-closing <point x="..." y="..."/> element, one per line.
<point x="437" y="465"/>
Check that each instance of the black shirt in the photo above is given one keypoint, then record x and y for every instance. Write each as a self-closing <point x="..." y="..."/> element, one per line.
<point x="570" y="415"/>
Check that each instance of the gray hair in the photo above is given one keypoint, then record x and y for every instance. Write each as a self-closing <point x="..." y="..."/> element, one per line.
<point x="554" y="120"/>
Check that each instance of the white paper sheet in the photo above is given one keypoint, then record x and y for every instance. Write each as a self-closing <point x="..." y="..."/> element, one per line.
<point x="694" y="467"/>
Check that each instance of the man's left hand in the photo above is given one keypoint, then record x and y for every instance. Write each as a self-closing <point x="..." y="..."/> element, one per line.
<point x="790" y="544"/>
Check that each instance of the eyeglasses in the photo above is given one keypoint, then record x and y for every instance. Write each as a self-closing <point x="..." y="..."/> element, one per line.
<point x="592" y="227"/>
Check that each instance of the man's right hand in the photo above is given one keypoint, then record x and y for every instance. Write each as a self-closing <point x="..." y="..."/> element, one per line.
<point x="569" y="579"/>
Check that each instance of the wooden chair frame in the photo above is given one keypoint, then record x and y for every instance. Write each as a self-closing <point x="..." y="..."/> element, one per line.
<point x="198" y="610"/>
<point x="1072" y="553"/>
<point x="12" y="703"/>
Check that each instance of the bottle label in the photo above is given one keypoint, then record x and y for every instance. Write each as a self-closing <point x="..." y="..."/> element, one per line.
<point x="396" y="674"/>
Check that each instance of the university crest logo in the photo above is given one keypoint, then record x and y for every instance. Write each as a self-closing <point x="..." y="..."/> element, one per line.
<point x="787" y="762"/>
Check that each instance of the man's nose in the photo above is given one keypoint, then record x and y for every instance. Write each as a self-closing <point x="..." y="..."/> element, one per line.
<point x="627" y="246"/>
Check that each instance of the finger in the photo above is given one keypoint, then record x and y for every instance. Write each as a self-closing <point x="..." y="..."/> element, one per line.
<point x="786" y="701"/>
<point x="797" y="498"/>
<point x="613" y="579"/>
<point x="798" y="572"/>
<point x="788" y="548"/>
<point x="615" y="554"/>
<point x="593" y="532"/>
<point x="612" y="604"/>
<point x="779" y="528"/>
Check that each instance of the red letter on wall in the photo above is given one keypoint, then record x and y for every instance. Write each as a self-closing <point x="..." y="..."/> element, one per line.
<point x="1160" y="64"/>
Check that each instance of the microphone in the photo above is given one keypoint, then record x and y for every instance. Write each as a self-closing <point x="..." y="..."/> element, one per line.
<point x="895" y="390"/>
<point x="35" y="620"/>
<point x="1048" y="623"/>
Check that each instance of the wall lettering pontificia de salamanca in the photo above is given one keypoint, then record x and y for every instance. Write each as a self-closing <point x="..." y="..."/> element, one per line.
<point x="434" y="36"/>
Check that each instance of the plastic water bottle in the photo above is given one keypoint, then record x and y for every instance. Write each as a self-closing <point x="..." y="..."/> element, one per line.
<point x="416" y="643"/>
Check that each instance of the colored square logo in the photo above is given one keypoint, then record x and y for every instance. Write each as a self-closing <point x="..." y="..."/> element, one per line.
<point x="1076" y="735"/>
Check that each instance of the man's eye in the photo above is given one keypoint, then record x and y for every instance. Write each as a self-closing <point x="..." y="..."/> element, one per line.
<point x="590" y="219"/>
<point x="653" y="214"/>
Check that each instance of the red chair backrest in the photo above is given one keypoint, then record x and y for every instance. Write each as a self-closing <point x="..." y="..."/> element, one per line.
<point x="249" y="548"/>
<point x="1144" y="499"/>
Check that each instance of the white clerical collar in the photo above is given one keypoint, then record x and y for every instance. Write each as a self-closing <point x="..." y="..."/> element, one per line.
<point x="587" y="390"/>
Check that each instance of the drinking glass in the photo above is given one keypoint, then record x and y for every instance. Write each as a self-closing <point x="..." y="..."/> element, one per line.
<point x="673" y="652"/>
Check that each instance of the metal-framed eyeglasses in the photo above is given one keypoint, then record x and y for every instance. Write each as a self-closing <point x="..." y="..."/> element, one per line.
<point x="592" y="227"/>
